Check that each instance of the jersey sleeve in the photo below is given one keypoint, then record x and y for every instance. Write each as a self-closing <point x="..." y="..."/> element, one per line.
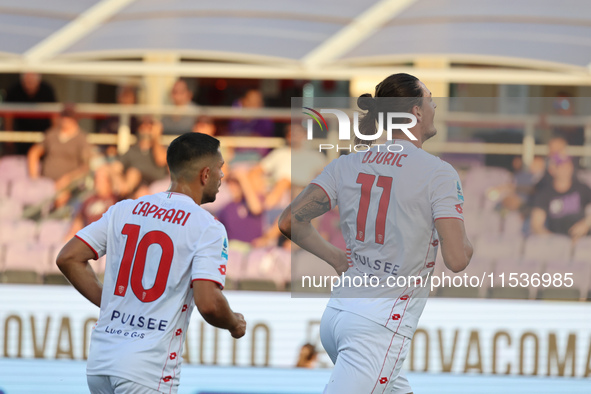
<point x="211" y="258"/>
<point x="95" y="234"/>
<point x="447" y="196"/>
<point x="327" y="181"/>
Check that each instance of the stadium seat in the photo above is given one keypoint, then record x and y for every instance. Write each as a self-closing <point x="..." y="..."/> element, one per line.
<point x="32" y="191"/>
<point x="477" y="267"/>
<point x="264" y="264"/>
<point x="545" y="248"/>
<point x="24" y="262"/>
<point x="236" y="259"/>
<point x="13" y="168"/>
<point x="513" y="293"/>
<point x="513" y="224"/>
<point x="498" y="246"/>
<point x="483" y="223"/>
<point x="581" y="279"/>
<point x="18" y="231"/>
<point x="306" y="264"/>
<point x="479" y="179"/>
<point x="257" y="285"/>
<point x="582" y="250"/>
<point x="54" y="276"/>
<point x="53" y="231"/>
<point x="559" y="294"/>
<point x="10" y="209"/>
<point x="514" y="265"/>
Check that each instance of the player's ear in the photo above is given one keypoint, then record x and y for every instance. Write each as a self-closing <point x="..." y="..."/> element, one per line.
<point x="204" y="175"/>
<point x="417" y="112"/>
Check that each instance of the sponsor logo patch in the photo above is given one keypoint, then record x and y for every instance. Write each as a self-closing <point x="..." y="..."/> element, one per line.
<point x="459" y="191"/>
<point x="225" y="249"/>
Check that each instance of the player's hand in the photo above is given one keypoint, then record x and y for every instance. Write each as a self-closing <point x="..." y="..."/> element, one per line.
<point x="240" y="329"/>
<point x="341" y="263"/>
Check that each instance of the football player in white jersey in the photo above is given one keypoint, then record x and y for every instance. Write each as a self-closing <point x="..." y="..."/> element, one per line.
<point x="397" y="203"/>
<point x="165" y="254"/>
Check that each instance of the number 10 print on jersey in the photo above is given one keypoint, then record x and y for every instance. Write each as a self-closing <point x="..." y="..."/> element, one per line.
<point x="140" y="251"/>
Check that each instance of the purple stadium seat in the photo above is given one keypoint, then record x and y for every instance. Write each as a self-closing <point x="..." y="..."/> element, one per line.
<point x="25" y="262"/>
<point x="306" y="264"/>
<point x="235" y="265"/>
<point x="545" y="248"/>
<point x="13" y="168"/>
<point x="581" y="274"/>
<point x="264" y="264"/>
<point x="18" y="231"/>
<point x="513" y="224"/>
<point x="498" y="247"/>
<point x="53" y="231"/>
<point x="583" y="250"/>
<point x="10" y="209"/>
<point x="32" y="191"/>
<point x="482" y="224"/>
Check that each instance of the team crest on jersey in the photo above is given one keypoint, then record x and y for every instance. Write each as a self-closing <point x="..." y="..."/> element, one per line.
<point x="459" y="191"/>
<point x="225" y="249"/>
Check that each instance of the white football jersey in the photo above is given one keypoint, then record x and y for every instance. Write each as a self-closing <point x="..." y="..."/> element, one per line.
<point x="389" y="198"/>
<point x="156" y="246"/>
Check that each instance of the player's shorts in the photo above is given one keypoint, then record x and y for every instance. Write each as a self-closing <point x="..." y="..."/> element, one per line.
<point x="368" y="357"/>
<point x="102" y="384"/>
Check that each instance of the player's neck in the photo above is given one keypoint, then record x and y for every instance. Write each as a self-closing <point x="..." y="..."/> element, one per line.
<point x="401" y="136"/>
<point x="183" y="188"/>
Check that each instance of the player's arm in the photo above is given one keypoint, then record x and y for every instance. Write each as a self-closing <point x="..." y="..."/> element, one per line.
<point x="295" y="224"/>
<point x="214" y="308"/>
<point x="73" y="262"/>
<point x="455" y="246"/>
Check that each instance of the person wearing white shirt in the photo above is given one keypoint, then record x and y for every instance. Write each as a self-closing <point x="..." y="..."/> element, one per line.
<point x="165" y="254"/>
<point x="397" y="203"/>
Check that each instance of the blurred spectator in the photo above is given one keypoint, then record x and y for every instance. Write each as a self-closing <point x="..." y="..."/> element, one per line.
<point x="308" y="356"/>
<point x="143" y="163"/>
<point x="29" y="90"/>
<point x="204" y="125"/>
<point x="518" y="194"/>
<point x="242" y="216"/>
<point x="559" y="206"/>
<point x="126" y="95"/>
<point x="65" y="153"/>
<point x="182" y="98"/>
<point x="252" y="99"/>
<point x="275" y="176"/>
<point x="93" y="207"/>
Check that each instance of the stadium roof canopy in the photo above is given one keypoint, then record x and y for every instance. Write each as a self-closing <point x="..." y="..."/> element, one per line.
<point x="525" y="41"/>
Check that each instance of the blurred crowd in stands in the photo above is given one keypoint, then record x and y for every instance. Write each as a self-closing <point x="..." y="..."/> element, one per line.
<point x="550" y="196"/>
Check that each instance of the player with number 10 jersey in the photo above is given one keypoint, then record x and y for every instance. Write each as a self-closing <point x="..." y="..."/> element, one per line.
<point x="165" y="254"/>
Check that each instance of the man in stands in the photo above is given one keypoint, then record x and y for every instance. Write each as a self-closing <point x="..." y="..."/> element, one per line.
<point x="559" y="204"/>
<point x="30" y="89"/>
<point x="62" y="156"/>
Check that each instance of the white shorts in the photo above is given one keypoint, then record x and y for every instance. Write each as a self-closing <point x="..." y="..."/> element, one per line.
<point x="102" y="384"/>
<point x="367" y="357"/>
